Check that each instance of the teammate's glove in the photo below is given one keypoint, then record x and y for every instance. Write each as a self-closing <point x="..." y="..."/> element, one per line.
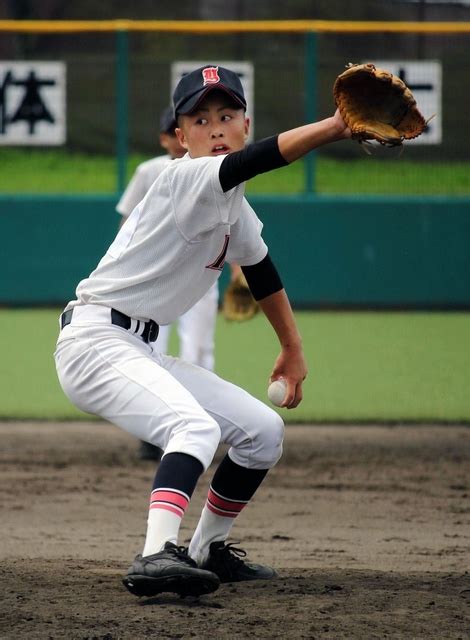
<point x="238" y="303"/>
<point x="377" y="105"/>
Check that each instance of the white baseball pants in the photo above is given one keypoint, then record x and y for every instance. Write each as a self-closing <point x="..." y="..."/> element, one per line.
<point x="177" y="406"/>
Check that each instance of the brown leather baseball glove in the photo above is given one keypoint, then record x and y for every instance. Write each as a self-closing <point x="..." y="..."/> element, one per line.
<point x="238" y="303"/>
<point x="376" y="105"/>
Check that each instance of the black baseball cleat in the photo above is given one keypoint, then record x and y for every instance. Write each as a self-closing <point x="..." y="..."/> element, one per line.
<point x="170" y="570"/>
<point x="225" y="561"/>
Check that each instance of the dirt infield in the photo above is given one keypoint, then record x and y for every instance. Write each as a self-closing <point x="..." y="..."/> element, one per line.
<point x="368" y="527"/>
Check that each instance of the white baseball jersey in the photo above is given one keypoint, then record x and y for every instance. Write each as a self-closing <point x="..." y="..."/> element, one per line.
<point x="172" y="248"/>
<point x="143" y="178"/>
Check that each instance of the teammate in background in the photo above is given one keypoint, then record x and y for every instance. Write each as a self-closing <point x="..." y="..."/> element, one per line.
<point x="196" y="327"/>
<point x="165" y="258"/>
<point x="147" y="172"/>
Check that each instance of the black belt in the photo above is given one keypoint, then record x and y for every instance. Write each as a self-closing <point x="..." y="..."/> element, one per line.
<point x="149" y="333"/>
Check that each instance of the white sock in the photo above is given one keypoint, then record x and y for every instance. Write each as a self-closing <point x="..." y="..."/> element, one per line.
<point x="167" y="507"/>
<point x="210" y="528"/>
<point x="218" y="515"/>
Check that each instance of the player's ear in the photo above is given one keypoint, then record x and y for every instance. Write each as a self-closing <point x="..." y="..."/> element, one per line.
<point x="247" y="127"/>
<point x="181" y="137"/>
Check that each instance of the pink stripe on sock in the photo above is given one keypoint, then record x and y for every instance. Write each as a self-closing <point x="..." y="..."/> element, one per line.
<point x="219" y="512"/>
<point x="168" y="507"/>
<point x="169" y="496"/>
<point x="222" y="503"/>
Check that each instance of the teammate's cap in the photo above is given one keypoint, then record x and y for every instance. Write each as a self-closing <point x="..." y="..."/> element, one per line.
<point x="167" y="121"/>
<point x="194" y="86"/>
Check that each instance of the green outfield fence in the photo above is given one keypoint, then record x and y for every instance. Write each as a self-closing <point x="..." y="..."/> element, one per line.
<point x="332" y="252"/>
<point x="356" y="250"/>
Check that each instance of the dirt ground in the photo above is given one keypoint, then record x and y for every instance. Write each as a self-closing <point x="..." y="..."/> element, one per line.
<point x="368" y="527"/>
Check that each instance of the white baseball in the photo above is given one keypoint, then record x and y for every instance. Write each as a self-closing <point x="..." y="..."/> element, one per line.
<point x="277" y="391"/>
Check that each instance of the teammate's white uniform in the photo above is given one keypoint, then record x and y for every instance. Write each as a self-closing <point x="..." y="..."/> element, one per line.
<point x="163" y="260"/>
<point x="196" y="327"/>
<point x="143" y="178"/>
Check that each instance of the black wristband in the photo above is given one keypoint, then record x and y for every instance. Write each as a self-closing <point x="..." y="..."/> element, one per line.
<point x="256" y="158"/>
<point x="263" y="278"/>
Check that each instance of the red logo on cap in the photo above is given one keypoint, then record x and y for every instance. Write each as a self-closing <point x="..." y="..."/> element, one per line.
<point x="210" y="75"/>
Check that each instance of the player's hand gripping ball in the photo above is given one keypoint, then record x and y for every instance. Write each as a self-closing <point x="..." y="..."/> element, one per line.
<point x="277" y="391"/>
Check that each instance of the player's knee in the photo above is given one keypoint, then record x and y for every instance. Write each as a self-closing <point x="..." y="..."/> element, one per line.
<point x="199" y="438"/>
<point x="267" y="442"/>
<point x="206" y="439"/>
<point x="212" y="437"/>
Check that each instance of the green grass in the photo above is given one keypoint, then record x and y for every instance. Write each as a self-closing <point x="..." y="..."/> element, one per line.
<point x="55" y="172"/>
<point x="363" y="366"/>
<point x="369" y="176"/>
<point x="51" y="171"/>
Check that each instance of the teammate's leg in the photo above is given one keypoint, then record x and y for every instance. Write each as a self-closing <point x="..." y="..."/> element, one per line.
<point x="196" y="330"/>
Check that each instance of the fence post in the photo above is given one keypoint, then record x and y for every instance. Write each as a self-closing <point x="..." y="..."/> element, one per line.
<point x="310" y="84"/>
<point x="122" y="106"/>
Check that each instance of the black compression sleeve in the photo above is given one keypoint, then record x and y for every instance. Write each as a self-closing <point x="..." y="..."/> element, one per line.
<point x="263" y="278"/>
<point x="259" y="157"/>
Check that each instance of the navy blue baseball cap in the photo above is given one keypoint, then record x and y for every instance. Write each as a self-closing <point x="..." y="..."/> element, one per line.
<point x="194" y="86"/>
<point x="167" y="121"/>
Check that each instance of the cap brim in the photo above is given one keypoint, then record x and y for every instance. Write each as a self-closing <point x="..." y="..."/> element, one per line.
<point x="192" y="103"/>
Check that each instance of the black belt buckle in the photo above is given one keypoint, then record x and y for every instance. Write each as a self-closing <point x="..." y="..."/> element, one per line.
<point x="150" y="333"/>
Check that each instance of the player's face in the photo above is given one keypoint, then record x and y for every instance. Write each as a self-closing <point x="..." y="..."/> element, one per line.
<point x="216" y="128"/>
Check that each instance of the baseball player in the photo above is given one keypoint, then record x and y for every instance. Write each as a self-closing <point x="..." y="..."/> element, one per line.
<point x="167" y="255"/>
